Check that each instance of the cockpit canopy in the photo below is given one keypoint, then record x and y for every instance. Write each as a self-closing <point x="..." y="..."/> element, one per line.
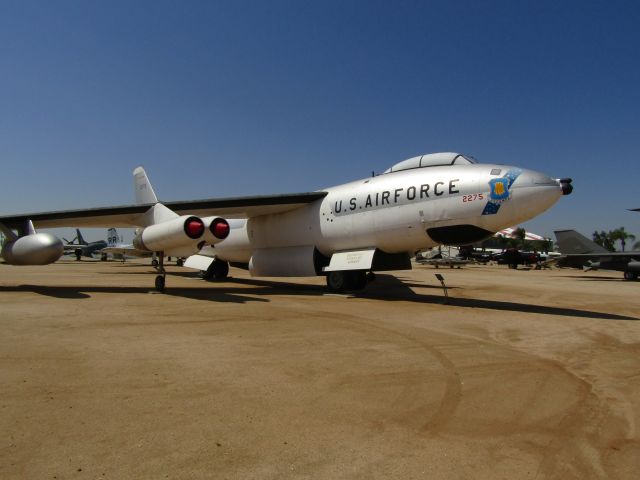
<point x="432" y="160"/>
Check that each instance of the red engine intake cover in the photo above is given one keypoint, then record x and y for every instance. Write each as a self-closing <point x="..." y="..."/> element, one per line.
<point x="193" y="227"/>
<point x="220" y="228"/>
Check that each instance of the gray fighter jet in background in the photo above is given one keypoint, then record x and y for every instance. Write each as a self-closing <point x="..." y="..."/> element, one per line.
<point x="80" y="248"/>
<point x="580" y="252"/>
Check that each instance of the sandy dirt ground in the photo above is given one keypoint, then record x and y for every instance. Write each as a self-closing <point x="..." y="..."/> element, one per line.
<point x="522" y="375"/>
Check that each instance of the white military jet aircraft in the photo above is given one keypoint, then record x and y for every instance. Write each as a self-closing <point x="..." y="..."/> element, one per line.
<point x="344" y="232"/>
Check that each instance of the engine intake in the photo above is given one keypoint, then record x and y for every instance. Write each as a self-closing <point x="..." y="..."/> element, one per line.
<point x="217" y="229"/>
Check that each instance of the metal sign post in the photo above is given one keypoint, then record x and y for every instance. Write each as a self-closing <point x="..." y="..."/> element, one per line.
<point x="444" y="287"/>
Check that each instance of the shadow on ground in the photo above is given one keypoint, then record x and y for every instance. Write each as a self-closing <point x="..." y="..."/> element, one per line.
<point x="243" y="290"/>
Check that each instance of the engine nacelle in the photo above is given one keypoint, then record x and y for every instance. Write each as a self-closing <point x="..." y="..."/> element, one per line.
<point x="217" y="229"/>
<point x="34" y="249"/>
<point x="284" y="262"/>
<point x="179" y="233"/>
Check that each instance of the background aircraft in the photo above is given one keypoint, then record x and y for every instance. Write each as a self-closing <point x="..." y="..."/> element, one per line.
<point x="578" y="251"/>
<point x="343" y="232"/>
<point x="80" y="248"/>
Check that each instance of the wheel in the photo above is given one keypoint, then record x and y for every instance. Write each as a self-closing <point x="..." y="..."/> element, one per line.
<point x="221" y="269"/>
<point x="218" y="270"/>
<point x="357" y="279"/>
<point x="160" y="283"/>
<point x="154" y="263"/>
<point x="345" y="281"/>
<point x="336" y="282"/>
<point x="78" y="253"/>
<point x="179" y="262"/>
<point x="630" y="275"/>
<point x="103" y="257"/>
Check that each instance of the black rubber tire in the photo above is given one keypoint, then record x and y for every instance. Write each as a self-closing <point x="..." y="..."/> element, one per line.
<point x="357" y="279"/>
<point x="179" y="262"/>
<point x="154" y="263"/>
<point x="337" y="282"/>
<point x="78" y="253"/>
<point x="218" y="270"/>
<point x="160" y="283"/>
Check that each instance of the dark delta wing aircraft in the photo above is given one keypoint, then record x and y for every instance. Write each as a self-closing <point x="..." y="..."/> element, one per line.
<point x="580" y="252"/>
<point x="343" y="232"/>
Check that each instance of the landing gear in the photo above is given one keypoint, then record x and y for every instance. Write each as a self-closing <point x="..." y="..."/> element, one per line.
<point x="344" y="281"/>
<point x="218" y="270"/>
<point x="630" y="275"/>
<point x="179" y="262"/>
<point x="103" y="257"/>
<point x="78" y="253"/>
<point x="154" y="263"/>
<point x="160" y="283"/>
<point x="160" y="279"/>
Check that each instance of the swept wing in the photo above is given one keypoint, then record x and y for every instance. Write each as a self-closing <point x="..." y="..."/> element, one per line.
<point x="127" y="215"/>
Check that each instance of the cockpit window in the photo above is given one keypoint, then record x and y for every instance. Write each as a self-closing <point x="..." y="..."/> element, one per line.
<point x="464" y="160"/>
<point x="433" y="160"/>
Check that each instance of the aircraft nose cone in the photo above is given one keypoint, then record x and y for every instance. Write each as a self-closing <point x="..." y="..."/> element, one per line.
<point x="531" y="178"/>
<point x="531" y="193"/>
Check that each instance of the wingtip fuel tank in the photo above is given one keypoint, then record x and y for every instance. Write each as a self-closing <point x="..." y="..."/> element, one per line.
<point x="35" y="249"/>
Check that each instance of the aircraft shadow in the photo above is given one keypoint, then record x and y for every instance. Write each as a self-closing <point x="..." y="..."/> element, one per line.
<point x="389" y="287"/>
<point x="594" y="278"/>
<point x="392" y="288"/>
<point x="385" y="287"/>
<point x="73" y="292"/>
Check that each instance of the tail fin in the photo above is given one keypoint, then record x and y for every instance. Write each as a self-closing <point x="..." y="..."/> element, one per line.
<point x="570" y="241"/>
<point x="158" y="213"/>
<point x="80" y="238"/>
<point x="142" y="187"/>
<point x="112" y="237"/>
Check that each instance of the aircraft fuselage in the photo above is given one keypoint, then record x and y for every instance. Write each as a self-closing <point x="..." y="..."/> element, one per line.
<point x="401" y="211"/>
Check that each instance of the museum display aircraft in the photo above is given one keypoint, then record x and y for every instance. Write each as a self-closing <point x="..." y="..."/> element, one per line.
<point x="343" y="232"/>
<point x="578" y="251"/>
<point x="79" y="247"/>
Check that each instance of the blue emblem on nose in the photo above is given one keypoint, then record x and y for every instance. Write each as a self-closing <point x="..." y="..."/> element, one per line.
<point x="499" y="191"/>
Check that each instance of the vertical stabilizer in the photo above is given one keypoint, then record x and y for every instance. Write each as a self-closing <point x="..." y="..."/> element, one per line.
<point x="112" y="237"/>
<point x="79" y="237"/>
<point x="142" y="187"/>
<point x="571" y="242"/>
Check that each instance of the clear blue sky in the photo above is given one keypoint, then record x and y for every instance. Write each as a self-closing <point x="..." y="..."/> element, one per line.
<point x="233" y="98"/>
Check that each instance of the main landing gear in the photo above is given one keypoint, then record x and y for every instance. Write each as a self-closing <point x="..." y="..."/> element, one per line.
<point x="218" y="270"/>
<point x="160" y="278"/>
<point x="345" y="281"/>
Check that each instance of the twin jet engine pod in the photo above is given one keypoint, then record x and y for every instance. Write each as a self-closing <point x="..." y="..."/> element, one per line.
<point x="217" y="229"/>
<point x="174" y="234"/>
<point x="34" y="249"/>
